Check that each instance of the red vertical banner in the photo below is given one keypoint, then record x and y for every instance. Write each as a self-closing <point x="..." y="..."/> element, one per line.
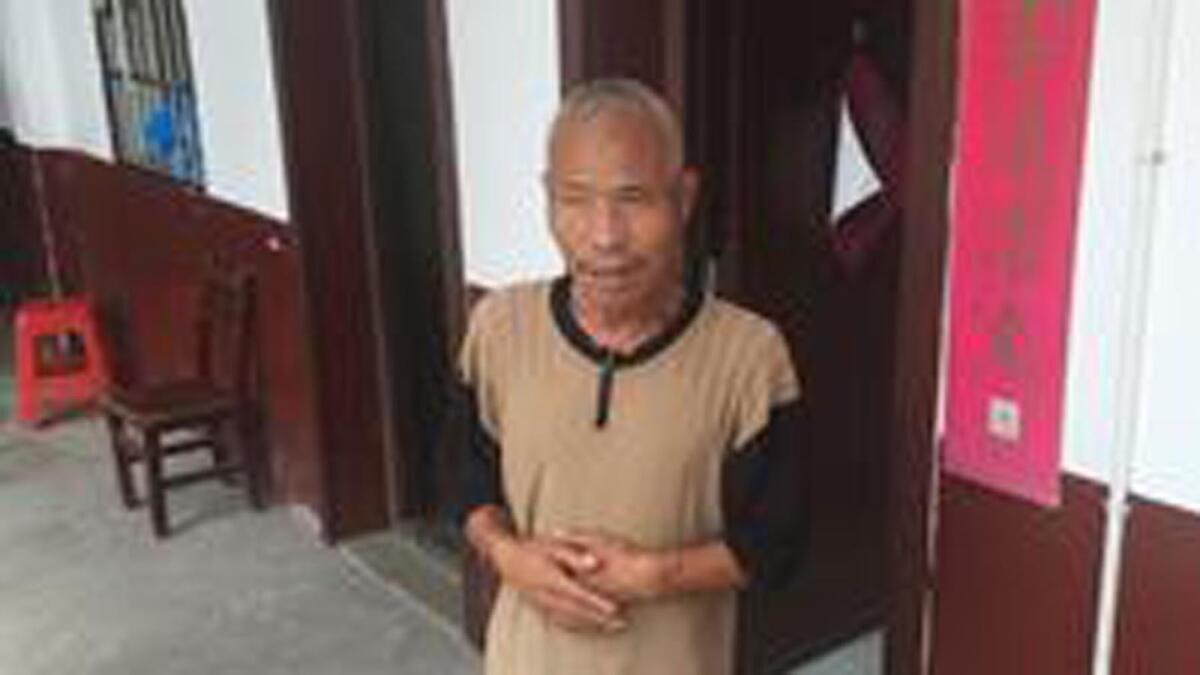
<point x="1022" y="111"/>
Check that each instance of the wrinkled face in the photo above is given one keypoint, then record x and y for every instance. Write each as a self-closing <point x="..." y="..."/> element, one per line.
<point x="618" y="209"/>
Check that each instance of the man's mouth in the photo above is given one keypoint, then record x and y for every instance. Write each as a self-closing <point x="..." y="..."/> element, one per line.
<point x="608" y="276"/>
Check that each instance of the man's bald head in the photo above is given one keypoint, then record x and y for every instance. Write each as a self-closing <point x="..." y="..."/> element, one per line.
<point x="587" y="101"/>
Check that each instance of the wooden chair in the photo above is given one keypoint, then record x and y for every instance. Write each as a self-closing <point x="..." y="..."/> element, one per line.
<point x="214" y="406"/>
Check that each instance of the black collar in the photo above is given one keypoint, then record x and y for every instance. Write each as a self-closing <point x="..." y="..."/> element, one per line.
<point x="564" y="318"/>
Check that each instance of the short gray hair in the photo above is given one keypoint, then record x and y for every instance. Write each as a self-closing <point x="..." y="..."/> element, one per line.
<point x="585" y="101"/>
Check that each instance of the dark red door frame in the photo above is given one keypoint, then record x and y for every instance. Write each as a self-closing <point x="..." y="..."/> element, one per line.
<point x="366" y="121"/>
<point x="414" y="247"/>
<point x="319" y="76"/>
<point x="918" y="342"/>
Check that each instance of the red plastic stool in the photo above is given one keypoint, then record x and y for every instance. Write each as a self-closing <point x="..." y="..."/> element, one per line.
<point x="60" y="362"/>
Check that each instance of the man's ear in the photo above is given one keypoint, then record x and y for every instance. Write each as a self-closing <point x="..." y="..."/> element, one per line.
<point x="689" y="190"/>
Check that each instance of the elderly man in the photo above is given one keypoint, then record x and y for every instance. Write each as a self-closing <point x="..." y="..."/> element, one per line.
<point x="632" y="462"/>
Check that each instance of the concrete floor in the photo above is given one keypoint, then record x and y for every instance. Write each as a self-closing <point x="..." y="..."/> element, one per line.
<point x="84" y="589"/>
<point x="863" y="656"/>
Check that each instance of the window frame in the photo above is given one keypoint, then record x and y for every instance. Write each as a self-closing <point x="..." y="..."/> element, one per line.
<point x="147" y="77"/>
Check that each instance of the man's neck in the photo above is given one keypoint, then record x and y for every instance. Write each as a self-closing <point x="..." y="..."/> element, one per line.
<point x="623" y="329"/>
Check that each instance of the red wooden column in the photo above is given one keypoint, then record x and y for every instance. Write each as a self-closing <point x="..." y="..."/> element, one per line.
<point x="318" y="58"/>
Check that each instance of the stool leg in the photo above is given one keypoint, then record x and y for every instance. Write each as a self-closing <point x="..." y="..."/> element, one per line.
<point x="121" y="460"/>
<point x="154" y="483"/>
<point x="27" y="382"/>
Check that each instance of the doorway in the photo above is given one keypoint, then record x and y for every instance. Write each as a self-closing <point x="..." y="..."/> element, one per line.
<point x="761" y="87"/>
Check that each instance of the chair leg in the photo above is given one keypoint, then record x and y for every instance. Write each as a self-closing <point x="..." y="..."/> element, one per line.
<point x="218" y="435"/>
<point x="154" y="482"/>
<point x="250" y="458"/>
<point x="121" y="461"/>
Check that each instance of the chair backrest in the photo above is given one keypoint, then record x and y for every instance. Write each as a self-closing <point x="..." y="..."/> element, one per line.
<point x="226" y="330"/>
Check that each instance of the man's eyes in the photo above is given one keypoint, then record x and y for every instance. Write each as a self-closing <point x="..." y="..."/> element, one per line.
<point x="572" y="198"/>
<point x="633" y="196"/>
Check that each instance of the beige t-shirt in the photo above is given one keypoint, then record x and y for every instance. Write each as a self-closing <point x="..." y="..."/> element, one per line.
<point x="651" y="473"/>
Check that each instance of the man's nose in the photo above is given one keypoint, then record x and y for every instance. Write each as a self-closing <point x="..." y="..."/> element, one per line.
<point x="610" y="226"/>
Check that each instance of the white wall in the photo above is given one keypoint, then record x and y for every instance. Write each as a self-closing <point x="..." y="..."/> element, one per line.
<point x="235" y="90"/>
<point x="505" y="82"/>
<point x="84" y="117"/>
<point x="1102" y="236"/>
<point x="1167" y="464"/>
<point x="53" y="96"/>
<point x="51" y="75"/>
<point x="854" y="179"/>
<point x="6" y="93"/>
<point x="28" y="65"/>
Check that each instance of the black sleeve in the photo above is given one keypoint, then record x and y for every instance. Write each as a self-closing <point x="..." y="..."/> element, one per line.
<point x="479" y="465"/>
<point x="764" y="497"/>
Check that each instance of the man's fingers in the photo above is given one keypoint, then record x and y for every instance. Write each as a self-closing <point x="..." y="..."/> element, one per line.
<point x="567" y="612"/>
<point x="570" y="588"/>
<point x="570" y="612"/>
<point x="573" y="558"/>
